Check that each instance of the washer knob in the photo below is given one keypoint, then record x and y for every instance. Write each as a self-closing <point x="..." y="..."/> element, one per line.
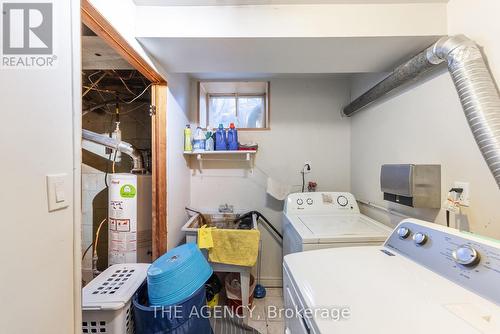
<point x="404" y="232"/>
<point x="300" y="201"/>
<point x="309" y="201"/>
<point x="466" y="256"/>
<point x="342" y="200"/>
<point x="420" y="238"/>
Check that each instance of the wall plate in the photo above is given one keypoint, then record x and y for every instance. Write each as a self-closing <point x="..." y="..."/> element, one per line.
<point x="465" y="196"/>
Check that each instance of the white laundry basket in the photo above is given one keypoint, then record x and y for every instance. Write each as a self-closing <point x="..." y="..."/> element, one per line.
<point x="107" y="300"/>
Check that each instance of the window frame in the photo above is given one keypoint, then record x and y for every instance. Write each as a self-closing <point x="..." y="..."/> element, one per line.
<point x="266" y="96"/>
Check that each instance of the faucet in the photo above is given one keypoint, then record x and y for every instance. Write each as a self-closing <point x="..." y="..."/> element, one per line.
<point x="226" y="208"/>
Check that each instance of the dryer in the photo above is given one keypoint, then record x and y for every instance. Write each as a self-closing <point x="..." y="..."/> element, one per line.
<point x="426" y="278"/>
<point x="327" y="220"/>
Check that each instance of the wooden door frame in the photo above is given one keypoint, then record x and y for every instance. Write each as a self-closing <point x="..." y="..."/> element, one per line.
<point x="93" y="19"/>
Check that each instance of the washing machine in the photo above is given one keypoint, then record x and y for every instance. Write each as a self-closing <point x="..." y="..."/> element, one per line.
<point x="327" y="220"/>
<point x="426" y="278"/>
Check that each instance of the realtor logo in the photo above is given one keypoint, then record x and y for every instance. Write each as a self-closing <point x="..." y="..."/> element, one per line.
<point x="27" y="35"/>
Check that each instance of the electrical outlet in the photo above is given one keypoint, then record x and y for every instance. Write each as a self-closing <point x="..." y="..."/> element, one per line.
<point x="465" y="196"/>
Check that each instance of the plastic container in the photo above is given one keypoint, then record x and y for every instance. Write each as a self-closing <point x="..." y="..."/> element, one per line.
<point x="187" y="139"/>
<point x="199" y="140"/>
<point x="233" y="292"/>
<point x="220" y="139"/>
<point x="209" y="143"/>
<point x="107" y="299"/>
<point x="187" y="316"/>
<point x="232" y="138"/>
<point x="177" y="275"/>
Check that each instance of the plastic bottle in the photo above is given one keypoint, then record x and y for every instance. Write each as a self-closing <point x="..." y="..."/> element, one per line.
<point x="199" y="140"/>
<point x="232" y="138"/>
<point x="220" y="139"/>
<point x="188" y="147"/>
<point x="214" y="138"/>
<point x="209" y="143"/>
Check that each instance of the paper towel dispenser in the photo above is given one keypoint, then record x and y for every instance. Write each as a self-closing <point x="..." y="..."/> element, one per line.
<point x="418" y="186"/>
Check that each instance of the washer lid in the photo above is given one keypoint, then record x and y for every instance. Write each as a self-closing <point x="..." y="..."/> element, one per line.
<point x="342" y="228"/>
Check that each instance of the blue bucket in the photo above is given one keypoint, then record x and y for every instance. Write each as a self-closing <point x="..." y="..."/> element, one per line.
<point x="186" y="317"/>
<point x="177" y="275"/>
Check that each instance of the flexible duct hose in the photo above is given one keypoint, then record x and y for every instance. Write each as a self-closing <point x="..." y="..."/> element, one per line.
<point x="473" y="81"/>
<point x="478" y="94"/>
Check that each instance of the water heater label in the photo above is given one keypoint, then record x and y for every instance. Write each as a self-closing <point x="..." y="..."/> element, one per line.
<point x="128" y="191"/>
<point x="123" y="219"/>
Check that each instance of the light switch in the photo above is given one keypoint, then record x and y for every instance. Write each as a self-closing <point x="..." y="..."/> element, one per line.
<point x="56" y="192"/>
<point x="60" y="197"/>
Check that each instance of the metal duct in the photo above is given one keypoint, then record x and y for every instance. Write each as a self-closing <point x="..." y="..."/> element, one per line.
<point x="120" y="146"/>
<point x="473" y="81"/>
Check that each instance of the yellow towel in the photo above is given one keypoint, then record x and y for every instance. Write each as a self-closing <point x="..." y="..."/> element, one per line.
<point x="238" y="247"/>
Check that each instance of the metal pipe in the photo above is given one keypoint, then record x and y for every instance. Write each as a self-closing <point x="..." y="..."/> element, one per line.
<point x="120" y="146"/>
<point x="473" y="81"/>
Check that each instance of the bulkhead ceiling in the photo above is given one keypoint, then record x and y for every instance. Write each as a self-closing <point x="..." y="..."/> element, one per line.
<point x="270" y="2"/>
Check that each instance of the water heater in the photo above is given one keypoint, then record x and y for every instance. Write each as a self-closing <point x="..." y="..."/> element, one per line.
<point x="129" y="214"/>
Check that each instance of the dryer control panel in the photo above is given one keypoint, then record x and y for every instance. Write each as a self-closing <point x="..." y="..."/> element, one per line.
<point x="469" y="260"/>
<point x="321" y="203"/>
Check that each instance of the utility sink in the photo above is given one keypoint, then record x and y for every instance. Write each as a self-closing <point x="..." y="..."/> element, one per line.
<point x="217" y="220"/>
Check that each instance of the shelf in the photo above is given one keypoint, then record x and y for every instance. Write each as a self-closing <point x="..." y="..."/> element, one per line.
<point x="208" y="156"/>
<point x="220" y="152"/>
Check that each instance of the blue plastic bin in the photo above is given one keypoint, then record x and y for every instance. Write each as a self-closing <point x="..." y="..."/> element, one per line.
<point x="172" y="319"/>
<point x="177" y="274"/>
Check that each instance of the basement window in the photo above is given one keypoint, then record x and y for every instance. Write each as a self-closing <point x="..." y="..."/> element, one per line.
<point x="246" y="104"/>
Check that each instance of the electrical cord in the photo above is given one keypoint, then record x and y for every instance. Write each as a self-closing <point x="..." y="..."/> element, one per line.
<point x="303" y="180"/>
<point x="306" y="167"/>
<point x="138" y="96"/>
<point x="457" y="191"/>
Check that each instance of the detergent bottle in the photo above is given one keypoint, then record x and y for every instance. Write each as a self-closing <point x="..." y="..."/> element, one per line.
<point x="188" y="147"/>
<point x="220" y="139"/>
<point x="199" y="140"/>
<point x="232" y="138"/>
<point x="209" y="143"/>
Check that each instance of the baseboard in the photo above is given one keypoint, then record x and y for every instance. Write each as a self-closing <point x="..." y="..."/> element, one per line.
<point x="271" y="282"/>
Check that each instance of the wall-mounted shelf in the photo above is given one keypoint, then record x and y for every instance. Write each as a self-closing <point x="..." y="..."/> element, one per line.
<point x="222" y="156"/>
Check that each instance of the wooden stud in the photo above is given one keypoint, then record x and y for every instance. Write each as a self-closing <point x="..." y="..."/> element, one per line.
<point x="159" y="137"/>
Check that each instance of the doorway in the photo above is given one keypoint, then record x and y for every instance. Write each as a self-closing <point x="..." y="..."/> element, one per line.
<point x="121" y="95"/>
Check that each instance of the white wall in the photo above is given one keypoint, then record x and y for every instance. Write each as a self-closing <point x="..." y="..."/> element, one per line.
<point x="305" y="126"/>
<point x="178" y="174"/>
<point x="39" y="288"/>
<point x="426" y="124"/>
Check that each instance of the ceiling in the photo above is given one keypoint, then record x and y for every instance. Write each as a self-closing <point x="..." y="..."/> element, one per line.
<point x="269" y="2"/>
<point x="97" y="55"/>
<point x="199" y="56"/>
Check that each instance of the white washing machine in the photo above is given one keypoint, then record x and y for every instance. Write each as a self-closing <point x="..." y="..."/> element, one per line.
<point x="326" y="220"/>
<point x="426" y="278"/>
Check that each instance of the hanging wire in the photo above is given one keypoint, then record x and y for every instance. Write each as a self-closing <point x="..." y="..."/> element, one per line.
<point x="138" y="96"/>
